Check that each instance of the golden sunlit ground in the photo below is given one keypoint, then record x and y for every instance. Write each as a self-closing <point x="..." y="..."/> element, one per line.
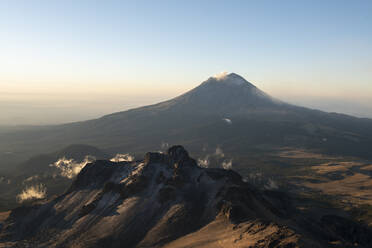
<point x="345" y="178"/>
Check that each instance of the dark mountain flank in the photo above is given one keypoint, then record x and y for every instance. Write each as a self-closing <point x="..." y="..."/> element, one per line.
<point x="227" y="111"/>
<point x="167" y="200"/>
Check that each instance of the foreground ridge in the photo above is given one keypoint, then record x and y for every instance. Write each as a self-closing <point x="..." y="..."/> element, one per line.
<point x="167" y="200"/>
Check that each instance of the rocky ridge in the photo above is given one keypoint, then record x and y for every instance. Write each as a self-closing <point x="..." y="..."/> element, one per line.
<point x="167" y="200"/>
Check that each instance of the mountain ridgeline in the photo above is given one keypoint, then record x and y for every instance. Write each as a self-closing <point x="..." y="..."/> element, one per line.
<point x="198" y="118"/>
<point x="167" y="200"/>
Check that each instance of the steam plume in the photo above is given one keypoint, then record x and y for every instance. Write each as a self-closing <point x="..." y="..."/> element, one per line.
<point x="204" y="162"/>
<point x="122" y="157"/>
<point x="227" y="164"/>
<point x="221" y="75"/>
<point x="217" y="157"/>
<point x="32" y="192"/>
<point x="69" y="167"/>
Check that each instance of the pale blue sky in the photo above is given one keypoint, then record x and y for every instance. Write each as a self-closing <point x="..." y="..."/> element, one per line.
<point x="65" y="54"/>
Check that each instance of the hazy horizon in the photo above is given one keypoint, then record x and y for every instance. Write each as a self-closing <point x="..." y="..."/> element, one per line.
<point x="68" y="61"/>
<point x="54" y="107"/>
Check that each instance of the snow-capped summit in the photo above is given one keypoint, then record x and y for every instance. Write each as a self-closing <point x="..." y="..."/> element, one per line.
<point x="224" y="94"/>
<point x="221" y="75"/>
<point x="230" y="78"/>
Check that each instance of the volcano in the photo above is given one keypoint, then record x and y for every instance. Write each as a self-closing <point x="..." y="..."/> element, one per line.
<point x="198" y="118"/>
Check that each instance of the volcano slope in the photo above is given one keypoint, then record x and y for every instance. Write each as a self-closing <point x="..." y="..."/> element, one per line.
<point x="198" y="118"/>
<point x="166" y="200"/>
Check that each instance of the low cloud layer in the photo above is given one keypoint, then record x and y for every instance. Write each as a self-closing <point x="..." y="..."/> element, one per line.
<point x="69" y="168"/>
<point x="32" y="192"/>
<point x="122" y="158"/>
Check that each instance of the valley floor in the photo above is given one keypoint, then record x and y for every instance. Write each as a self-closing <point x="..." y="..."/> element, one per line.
<point x="336" y="181"/>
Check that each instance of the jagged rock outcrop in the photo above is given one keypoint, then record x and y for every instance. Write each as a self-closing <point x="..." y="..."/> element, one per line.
<point x="166" y="200"/>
